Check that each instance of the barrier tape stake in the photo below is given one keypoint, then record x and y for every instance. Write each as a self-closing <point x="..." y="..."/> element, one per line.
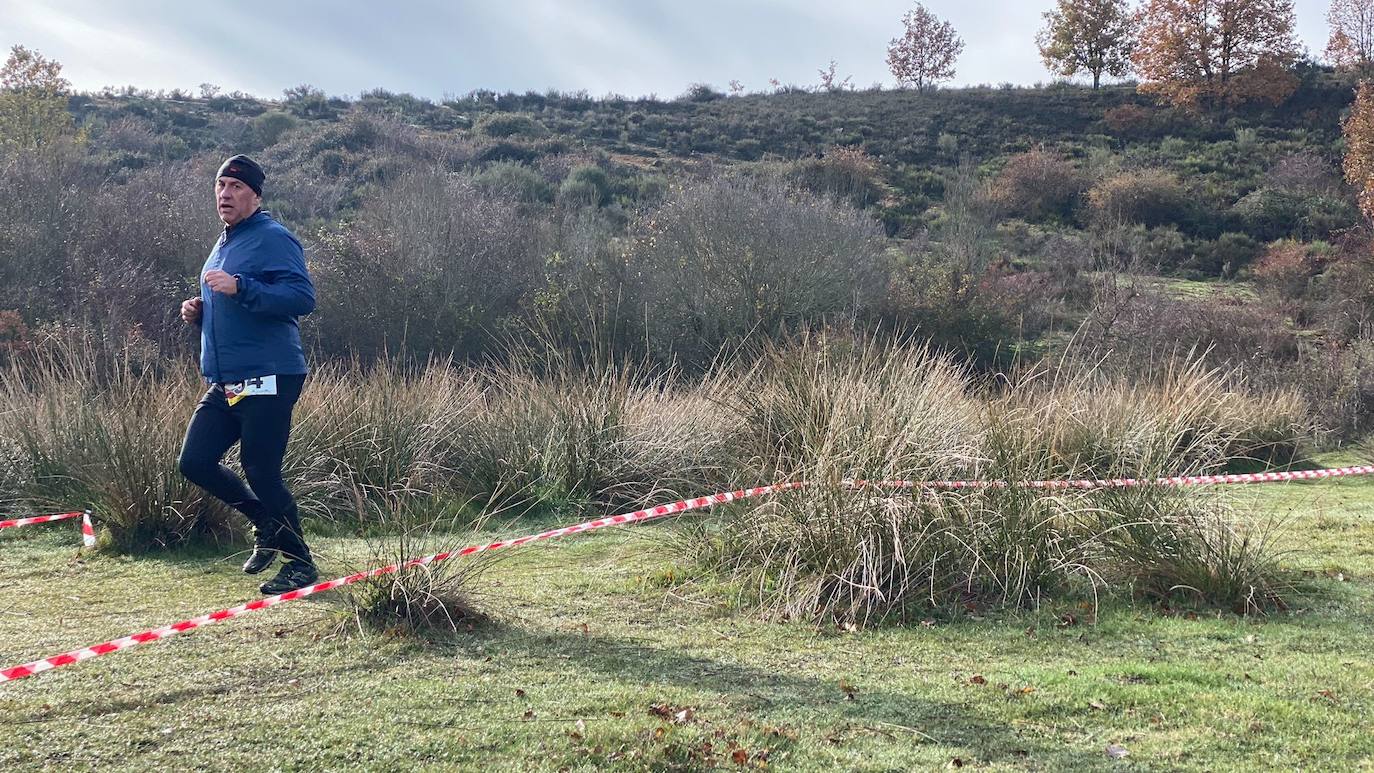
<point x="87" y="531"/>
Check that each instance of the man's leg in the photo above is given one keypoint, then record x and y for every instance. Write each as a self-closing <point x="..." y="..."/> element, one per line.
<point x="266" y="423"/>
<point x="212" y="431"/>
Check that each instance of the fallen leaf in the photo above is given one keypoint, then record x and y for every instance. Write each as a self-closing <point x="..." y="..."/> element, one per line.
<point x="519" y="693"/>
<point x="956" y="763"/>
<point x="660" y="731"/>
<point x="1327" y="694"/>
<point x="1117" y="751"/>
<point x="1027" y="690"/>
<point x="529" y="714"/>
<point x="978" y="679"/>
<point x="740" y="757"/>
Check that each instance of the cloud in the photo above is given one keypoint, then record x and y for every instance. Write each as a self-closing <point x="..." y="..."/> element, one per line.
<point x="434" y="48"/>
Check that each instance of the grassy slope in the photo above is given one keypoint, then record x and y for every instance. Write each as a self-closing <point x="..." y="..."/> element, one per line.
<point x="588" y="643"/>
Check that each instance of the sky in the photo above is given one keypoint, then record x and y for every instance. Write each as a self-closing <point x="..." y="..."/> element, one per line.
<point x="437" y="49"/>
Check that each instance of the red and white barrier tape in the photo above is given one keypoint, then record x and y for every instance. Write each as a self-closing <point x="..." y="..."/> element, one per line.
<point x="87" y="530"/>
<point x="1189" y="480"/>
<point x="156" y="634"/>
<point x="115" y="645"/>
<point x="38" y="519"/>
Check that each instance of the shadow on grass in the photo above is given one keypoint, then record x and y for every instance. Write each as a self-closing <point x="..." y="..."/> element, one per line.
<point x="922" y="719"/>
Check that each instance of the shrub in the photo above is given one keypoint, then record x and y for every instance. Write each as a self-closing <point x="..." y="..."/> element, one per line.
<point x="1037" y="185"/>
<point x="514" y="180"/>
<point x="701" y="92"/>
<point x="1304" y="171"/>
<point x="848" y="174"/>
<point x="1146" y="327"/>
<point x="505" y="125"/>
<point x="1229" y="254"/>
<point x="1288" y="267"/>
<point x="587" y="185"/>
<point x="1128" y="119"/>
<point x="435" y="599"/>
<point x="1273" y="213"/>
<point x="723" y="259"/>
<point x="270" y="126"/>
<point x="1150" y="197"/>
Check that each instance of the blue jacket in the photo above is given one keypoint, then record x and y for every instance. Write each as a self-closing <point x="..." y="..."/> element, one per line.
<point x="254" y="332"/>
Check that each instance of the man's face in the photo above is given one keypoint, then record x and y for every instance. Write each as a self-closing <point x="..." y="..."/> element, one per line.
<point x="235" y="200"/>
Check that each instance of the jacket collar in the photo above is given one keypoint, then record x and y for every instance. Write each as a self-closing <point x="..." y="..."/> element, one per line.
<point x="257" y="217"/>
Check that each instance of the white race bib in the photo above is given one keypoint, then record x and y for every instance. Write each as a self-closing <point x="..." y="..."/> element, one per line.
<point x="260" y="385"/>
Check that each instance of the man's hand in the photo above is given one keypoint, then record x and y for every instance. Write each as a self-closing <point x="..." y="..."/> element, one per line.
<point x="190" y="310"/>
<point x="221" y="282"/>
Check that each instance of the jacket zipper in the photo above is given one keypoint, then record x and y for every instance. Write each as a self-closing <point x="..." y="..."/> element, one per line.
<point x="223" y="240"/>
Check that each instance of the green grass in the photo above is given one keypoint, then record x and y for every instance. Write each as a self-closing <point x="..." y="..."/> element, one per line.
<point x="594" y="663"/>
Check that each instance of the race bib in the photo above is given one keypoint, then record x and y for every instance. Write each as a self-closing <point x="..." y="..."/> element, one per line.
<point x="261" y="385"/>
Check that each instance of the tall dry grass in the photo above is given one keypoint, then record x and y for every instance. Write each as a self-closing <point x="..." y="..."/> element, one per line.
<point x="403" y="451"/>
<point x="826" y="413"/>
<point x="87" y="427"/>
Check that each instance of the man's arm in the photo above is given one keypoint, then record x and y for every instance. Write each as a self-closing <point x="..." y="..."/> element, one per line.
<point x="285" y="289"/>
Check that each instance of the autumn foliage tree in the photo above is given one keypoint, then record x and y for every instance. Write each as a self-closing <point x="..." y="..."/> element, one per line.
<point x="925" y="53"/>
<point x="1199" y="52"/>
<point x="33" y="100"/>
<point x="1095" y="36"/>
<point x="1351" y="46"/>
<point x="1359" y="147"/>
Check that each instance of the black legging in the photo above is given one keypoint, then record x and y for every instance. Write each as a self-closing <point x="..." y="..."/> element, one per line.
<point x="262" y="424"/>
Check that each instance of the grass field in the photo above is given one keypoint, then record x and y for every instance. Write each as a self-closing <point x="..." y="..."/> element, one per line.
<point x="595" y="659"/>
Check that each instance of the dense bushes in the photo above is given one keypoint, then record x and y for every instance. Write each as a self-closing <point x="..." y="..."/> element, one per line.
<point x="721" y="259"/>
<point x="429" y="265"/>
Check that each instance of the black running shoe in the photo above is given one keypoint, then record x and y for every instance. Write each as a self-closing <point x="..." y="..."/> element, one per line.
<point x="291" y="576"/>
<point x="261" y="559"/>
